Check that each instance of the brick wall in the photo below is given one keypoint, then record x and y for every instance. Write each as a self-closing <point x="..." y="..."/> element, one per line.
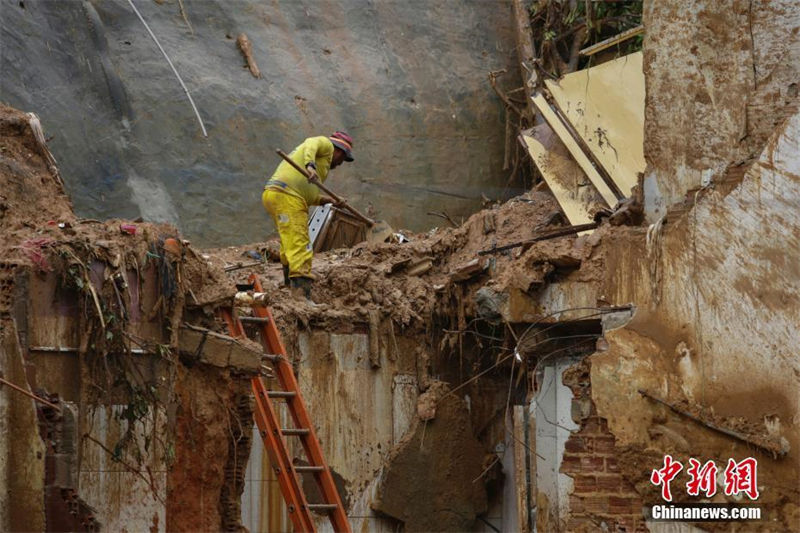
<point x="600" y="493"/>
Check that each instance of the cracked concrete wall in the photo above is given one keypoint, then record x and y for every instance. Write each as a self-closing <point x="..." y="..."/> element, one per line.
<point x="716" y="291"/>
<point x="428" y="129"/>
<point x="720" y="76"/>
<point x="716" y="326"/>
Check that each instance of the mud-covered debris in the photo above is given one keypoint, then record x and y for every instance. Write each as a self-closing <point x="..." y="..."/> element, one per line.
<point x="444" y="452"/>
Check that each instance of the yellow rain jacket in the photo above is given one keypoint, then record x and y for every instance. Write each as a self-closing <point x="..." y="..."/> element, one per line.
<point x="317" y="150"/>
<point x="286" y="198"/>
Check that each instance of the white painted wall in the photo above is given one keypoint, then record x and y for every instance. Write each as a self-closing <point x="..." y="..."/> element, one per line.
<point x="552" y="408"/>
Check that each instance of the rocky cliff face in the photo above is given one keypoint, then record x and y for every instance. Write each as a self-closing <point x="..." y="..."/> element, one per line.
<point x="406" y="79"/>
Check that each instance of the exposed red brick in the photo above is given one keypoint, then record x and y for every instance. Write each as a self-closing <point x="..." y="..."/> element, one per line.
<point x="585" y="484"/>
<point x="624" y="504"/>
<point x="595" y="504"/>
<point x="571" y="464"/>
<point x="600" y="494"/>
<point x="590" y="463"/>
<point x="575" y="445"/>
<point x="609" y="483"/>
<point x="603" y="444"/>
<point x="579" y="523"/>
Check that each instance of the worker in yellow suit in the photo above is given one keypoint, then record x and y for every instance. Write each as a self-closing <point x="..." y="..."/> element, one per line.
<point x="288" y="194"/>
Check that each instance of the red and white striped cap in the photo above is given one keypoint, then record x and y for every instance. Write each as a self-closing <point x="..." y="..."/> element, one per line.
<point x="344" y="142"/>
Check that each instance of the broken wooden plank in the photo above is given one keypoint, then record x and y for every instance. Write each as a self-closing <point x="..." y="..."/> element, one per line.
<point x="218" y="350"/>
<point x="555" y="122"/>
<point x="520" y="468"/>
<point x="419" y="267"/>
<point x="604" y="109"/>
<point x="562" y="174"/>
<point x="525" y="50"/>
<point x="239" y="266"/>
<point x="611" y="41"/>
<point x="468" y="270"/>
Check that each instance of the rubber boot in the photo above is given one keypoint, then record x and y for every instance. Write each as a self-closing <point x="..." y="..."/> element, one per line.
<point x="302" y="284"/>
<point x="286" y="282"/>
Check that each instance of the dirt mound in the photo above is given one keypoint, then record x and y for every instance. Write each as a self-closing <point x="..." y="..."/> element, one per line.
<point x="30" y="192"/>
<point x="403" y="281"/>
<point x="443" y="452"/>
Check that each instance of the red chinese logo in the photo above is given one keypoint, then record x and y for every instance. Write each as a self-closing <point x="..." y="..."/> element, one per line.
<point x="739" y="477"/>
<point x="702" y="478"/>
<point x="664" y="475"/>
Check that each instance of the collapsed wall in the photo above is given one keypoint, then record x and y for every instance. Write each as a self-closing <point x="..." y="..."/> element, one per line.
<point x="116" y="423"/>
<point x="541" y="368"/>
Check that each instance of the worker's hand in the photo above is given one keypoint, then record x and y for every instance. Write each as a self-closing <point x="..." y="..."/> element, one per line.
<point x="328" y="200"/>
<point x="312" y="173"/>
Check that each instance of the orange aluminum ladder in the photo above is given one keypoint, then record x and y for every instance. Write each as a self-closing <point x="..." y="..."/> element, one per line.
<point x="274" y="436"/>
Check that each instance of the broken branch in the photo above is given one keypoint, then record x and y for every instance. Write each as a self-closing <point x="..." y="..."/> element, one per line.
<point x="493" y="82"/>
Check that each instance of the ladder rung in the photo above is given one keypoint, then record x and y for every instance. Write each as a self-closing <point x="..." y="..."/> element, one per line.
<point x="295" y="431"/>
<point x="256" y="319"/>
<point x="323" y="506"/>
<point x="281" y="394"/>
<point x="301" y="469"/>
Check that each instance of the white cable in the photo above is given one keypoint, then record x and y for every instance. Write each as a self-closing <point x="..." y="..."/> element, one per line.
<point x="191" y="101"/>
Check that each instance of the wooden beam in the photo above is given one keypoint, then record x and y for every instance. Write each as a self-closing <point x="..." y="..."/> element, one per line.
<point x="520" y="469"/>
<point x="611" y="41"/>
<point x="525" y="52"/>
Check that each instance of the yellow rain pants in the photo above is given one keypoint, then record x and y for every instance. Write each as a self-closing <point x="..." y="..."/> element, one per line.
<point x="289" y="212"/>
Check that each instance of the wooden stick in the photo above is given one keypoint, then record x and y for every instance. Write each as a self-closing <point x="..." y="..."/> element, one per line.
<point x="319" y="184"/>
<point x="29" y="395"/>
<point x="570" y="230"/>
<point x="239" y="266"/>
<point x="776" y="449"/>
<point x="611" y="41"/>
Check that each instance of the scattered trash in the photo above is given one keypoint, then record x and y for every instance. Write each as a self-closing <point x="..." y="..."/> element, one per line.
<point x="129" y="229"/>
<point x="398" y="238"/>
<point x="252" y="254"/>
<point x="247" y="51"/>
<point x="172" y="246"/>
<point x="33" y="250"/>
